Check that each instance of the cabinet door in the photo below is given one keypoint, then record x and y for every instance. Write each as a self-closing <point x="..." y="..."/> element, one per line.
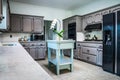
<point x="48" y="32"/>
<point x="33" y="53"/>
<point x="98" y="17"/>
<point x="89" y="19"/>
<point x="78" y="24"/>
<point x="84" y="23"/>
<point x="8" y="16"/>
<point x="38" y="25"/>
<point x="27" y="23"/>
<point x="75" y="54"/>
<point x="41" y="52"/>
<point x="79" y="52"/>
<point x="15" y="23"/>
<point x="65" y="28"/>
<point x="0" y="9"/>
<point x="27" y="49"/>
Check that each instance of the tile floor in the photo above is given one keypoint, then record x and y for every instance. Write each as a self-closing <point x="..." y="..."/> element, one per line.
<point x="82" y="71"/>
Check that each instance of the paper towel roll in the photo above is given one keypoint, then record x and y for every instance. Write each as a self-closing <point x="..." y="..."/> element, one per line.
<point x="80" y="36"/>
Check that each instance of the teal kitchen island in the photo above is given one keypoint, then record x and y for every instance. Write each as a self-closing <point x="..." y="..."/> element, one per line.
<point x="60" y="61"/>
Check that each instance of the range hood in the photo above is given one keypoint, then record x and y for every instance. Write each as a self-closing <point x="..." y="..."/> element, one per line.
<point x="92" y="27"/>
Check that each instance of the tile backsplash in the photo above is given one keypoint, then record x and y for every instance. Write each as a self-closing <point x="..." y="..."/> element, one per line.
<point x="5" y="37"/>
<point x="97" y="33"/>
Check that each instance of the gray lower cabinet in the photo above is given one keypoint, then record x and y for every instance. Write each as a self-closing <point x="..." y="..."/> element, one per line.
<point x="27" y="23"/>
<point x="37" y="50"/>
<point x="27" y="49"/>
<point x="41" y="52"/>
<point x="33" y="52"/>
<point x="89" y="54"/>
<point x="78" y="50"/>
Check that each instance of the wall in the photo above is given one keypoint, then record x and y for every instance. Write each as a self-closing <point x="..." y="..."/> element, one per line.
<point x="98" y="34"/>
<point x="5" y="37"/>
<point x="48" y="13"/>
<point x="95" y="6"/>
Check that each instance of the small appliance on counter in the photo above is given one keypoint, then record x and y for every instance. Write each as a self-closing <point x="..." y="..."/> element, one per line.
<point x="36" y="37"/>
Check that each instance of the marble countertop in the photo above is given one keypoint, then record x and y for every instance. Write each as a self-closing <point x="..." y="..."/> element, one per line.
<point x="17" y="64"/>
<point x="96" y="42"/>
<point x="31" y="41"/>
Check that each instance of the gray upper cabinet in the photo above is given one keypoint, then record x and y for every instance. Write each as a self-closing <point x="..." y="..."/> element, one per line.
<point x="97" y="18"/>
<point x="74" y="19"/>
<point x="38" y="25"/>
<point x="65" y="28"/>
<point x="89" y="19"/>
<point x="27" y="23"/>
<point x="16" y="23"/>
<point x="93" y="18"/>
<point x="84" y="23"/>
<point x="78" y="24"/>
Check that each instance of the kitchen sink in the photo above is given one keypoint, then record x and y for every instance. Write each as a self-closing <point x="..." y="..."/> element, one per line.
<point x="8" y="44"/>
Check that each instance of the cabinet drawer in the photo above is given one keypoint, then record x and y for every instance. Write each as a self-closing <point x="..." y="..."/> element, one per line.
<point x="89" y="58"/>
<point x="92" y="58"/>
<point x="25" y="44"/>
<point x="40" y="44"/>
<point x="89" y="50"/>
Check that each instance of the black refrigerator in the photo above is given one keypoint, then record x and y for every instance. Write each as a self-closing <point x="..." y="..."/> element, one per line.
<point x="111" y="42"/>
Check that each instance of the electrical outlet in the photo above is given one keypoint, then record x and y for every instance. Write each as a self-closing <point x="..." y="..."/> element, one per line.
<point x="10" y="36"/>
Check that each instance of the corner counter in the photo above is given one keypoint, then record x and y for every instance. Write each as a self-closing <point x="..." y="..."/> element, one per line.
<point x="17" y="64"/>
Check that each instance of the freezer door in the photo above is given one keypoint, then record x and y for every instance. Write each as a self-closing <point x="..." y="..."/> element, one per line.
<point x="109" y="42"/>
<point x="118" y="43"/>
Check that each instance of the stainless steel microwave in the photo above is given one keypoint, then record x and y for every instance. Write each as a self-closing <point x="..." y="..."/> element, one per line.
<point x="36" y="37"/>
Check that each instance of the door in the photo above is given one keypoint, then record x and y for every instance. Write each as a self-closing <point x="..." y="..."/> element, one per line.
<point x="41" y="52"/>
<point x="16" y="22"/>
<point x="38" y="25"/>
<point x="109" y="42"/>
<point x="118" y="43"/>
<point x="27" y="23"/>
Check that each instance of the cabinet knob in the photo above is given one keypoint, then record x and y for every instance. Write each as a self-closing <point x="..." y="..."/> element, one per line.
<point x="2" y="17"/>
<point x="88" y="50"/>
<point x="88" y="58"/>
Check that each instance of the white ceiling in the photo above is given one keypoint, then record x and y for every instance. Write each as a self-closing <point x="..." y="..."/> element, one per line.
<point x="61" y="4"/>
